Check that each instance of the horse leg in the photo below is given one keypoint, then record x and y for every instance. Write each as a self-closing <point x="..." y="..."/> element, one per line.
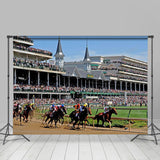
<point x="103" y="123"/>
<point x="88" y="122"/>
<point x="43" y="120"/>
<point x="20" y="119"/>
<point x="109" y="124"/>
<point x="51" y="121"/>
<point x="71" y="121"/>
<point x="55" y="123"/>
<point x="97" y="122"/>
<point x="62" y="121"/>
<point x="73" y="127"/>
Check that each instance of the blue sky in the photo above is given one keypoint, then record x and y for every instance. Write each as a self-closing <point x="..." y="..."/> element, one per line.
<point x="74" y="47"/>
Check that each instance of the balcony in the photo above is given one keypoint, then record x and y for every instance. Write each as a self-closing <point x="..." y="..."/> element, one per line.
<point x="32" y="51"/>
<point x="23" y="40"/>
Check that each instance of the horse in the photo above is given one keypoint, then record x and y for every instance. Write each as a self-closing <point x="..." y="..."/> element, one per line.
<point x="56" y="116"/>
<point x="82" y="116"/>
<point x="27" y="112"/>
<point x="16" y="111"/>
<point x="105" y="117"/>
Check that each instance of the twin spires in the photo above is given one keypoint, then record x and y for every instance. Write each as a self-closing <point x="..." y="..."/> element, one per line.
<point x="86" y="57"/>
<point x="59" y="56"/>
<point x="59" y="52"/>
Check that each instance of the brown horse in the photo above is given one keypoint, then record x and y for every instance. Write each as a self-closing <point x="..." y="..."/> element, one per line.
<point x="105" y="117"/>
<point x="83" y="116"/>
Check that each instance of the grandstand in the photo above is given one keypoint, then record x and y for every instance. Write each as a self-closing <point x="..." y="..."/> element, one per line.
<point x="37" y="75"/>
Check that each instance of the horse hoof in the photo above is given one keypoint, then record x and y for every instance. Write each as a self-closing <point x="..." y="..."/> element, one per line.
<point x="73" y="128"/>
<point x="77" y="128"/>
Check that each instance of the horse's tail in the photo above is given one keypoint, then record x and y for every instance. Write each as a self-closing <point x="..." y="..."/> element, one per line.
<point x="96" y="117"/>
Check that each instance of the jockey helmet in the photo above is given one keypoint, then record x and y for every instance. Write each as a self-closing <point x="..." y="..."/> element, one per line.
<point x="62" y="105"/>
<point x="85" y="105"/>
<point x="52" y="105"/>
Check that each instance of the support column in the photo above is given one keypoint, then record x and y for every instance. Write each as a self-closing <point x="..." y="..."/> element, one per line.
<point x="92" y="83"/>
<point x="38" y="78"/>
<point x="28" y="96"/>
<point x="126" y="86"/>
<point x="15" y="76"/>
<point x="96" y="83"/>
<point x="85" y="83"/>
<point x="81" y="82"/>
<point x="29" y="78"/>
<point x="47" y="79"/>
<point x="120" y="85"/>
<point x="68" y="81"/>
<point x="64" y="81"/>
<point x="102" y="84"/>
<point x="109" y="85"/>
<point x="89" y="83"/>
<point x="77" y="81"/>
<point x="135" y="87"/>
<point x="130" y="86"/>
<point x="59" y="80"/>
<point x="115" y="85"/>
<point x="143" y="87"/>
<point x="56" y="80"/>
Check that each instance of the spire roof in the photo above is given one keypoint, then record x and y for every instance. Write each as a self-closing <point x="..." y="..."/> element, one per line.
<point x="86" y="57"/>
<point x="59" y="52"/>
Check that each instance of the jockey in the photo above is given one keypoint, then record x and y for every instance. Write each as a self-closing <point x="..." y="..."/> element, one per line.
<point x="31" y="106"/>
<point x="51" y="108"/>
<point x="61" y="106"/>
<point x="77" y="109"/>
<point x="82" y="107"/>
<point x="15" y="107"/>
<point x="106" y="110"/>
<point x="56" y="108"/>
<point x="19" y="108"/>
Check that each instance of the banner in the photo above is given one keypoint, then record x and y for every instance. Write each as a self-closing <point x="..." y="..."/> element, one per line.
<point x="57" y="89"/>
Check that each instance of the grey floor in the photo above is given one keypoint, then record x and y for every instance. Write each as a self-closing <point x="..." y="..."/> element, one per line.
<point x="79" y="147"/>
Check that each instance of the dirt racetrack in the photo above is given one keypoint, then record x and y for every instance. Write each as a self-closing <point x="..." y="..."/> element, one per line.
<point x="34" y="127"/>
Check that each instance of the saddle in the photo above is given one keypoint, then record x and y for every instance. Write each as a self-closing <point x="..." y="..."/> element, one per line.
<point x="101" y="114"/>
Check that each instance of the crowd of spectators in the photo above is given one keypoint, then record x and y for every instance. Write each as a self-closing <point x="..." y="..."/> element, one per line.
<point x="23" y="38"/>
<point x="132" y="77"/>
<point x="34" y="64"/>
<point x="43" y="88"/>
<point x="29" y="49"/>
<point x="133" y="71"/>
<point x="130" y="64"/>
<point x="102" y="101"/>
<point x="113" y="74"/>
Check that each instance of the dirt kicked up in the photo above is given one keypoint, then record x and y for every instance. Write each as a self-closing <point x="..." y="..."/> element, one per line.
<point x="35" y="127"/>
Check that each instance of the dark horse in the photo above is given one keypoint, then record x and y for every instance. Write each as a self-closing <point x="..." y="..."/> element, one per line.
<point x="105" y="117"/>
<point x="82" y="116"/>
<point x="55" y="116"/>
<point x="25" y="113"/>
